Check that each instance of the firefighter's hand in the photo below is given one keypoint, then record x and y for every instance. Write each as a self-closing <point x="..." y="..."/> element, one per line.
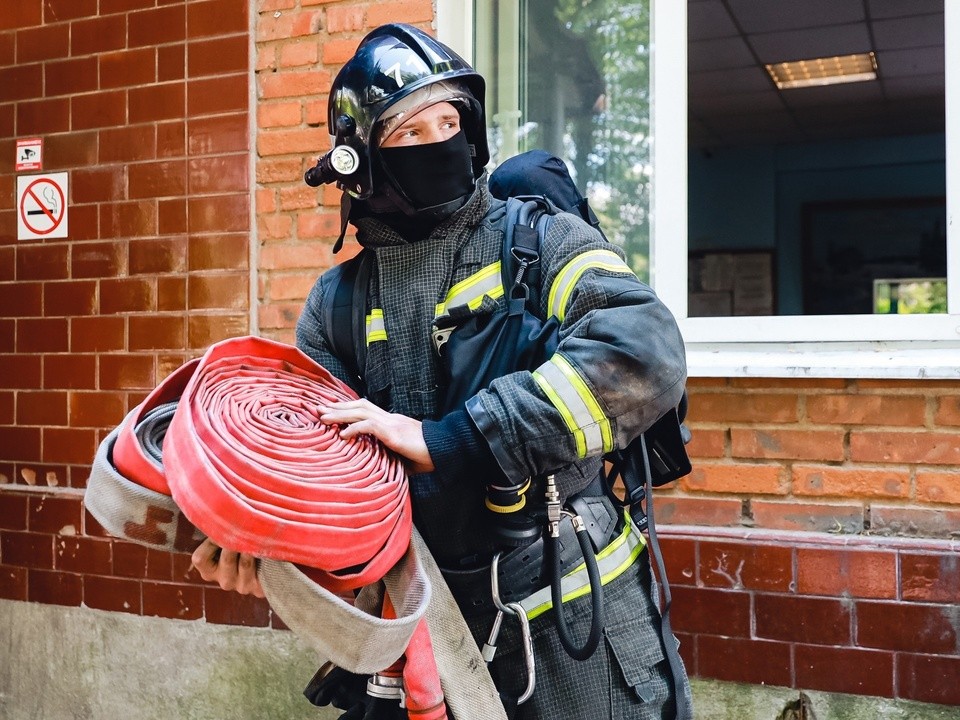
<point x="402" y="434"/>
<point x="229" y="569"/>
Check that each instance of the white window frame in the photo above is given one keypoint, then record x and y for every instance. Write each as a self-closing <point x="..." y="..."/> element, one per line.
<point x="855" y="346"/>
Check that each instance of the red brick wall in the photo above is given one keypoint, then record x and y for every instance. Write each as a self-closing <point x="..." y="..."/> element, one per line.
<point x="145" y="104"/>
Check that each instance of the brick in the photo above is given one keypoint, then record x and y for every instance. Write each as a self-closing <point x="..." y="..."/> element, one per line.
<point x="844" y="670"/>
<point x="227" y="291"/>
<point x="337" y="52"/>
<point x="279" y="315"/>
<point x="217" y="17"/>
<point x="846" y="573"/>
<point x="204" y="330"/>
<point x="13" y="511"/>
<point x="223" y="213"/>
<point x="31" y="550"/>
<point x="294" y="84"/>
<point x="787" y="444"/>
<point x="66" y="152"/>
<point x="266" y="200"/>
<point x="907" y="627"/>
<point x="7" y="402"/>
<point x="130" y="219"/>
<point x="43" y="116"/>
<point x="853" y="482"/>
<point x="20" y="371"/>
<point x="69" y="372"/>
<point x="275" y="227"/>
<point x="91" y="185"/>
<point x="814" y="621"/>
<point x="706" y="443"/>
<point x="345" y="18"/>
<point x="926" y="448"/>
<point x="273" y="170"/>
<point x="680" y="559"/>
<point x="224" y="173"/>
<point x="897" y="410"/>
<point x="54" y="588"/>
<point x="61" y="10"/>
<point x="913" y="521"/>
<point x="69" y="298"/>
<point x="22" y="443"/>
<point x="230" y="608"/>
<point x="171" y="294"/>
<point x="286" y="142"/>
<point x="743" y="408"/>
<point x="42" y="407"/>
<point x="158" y="255"/>
<point x="316" y="224"/>
<point x="157" y="26"/>
<point x="45" y="42"/>
<point x="161" y="101"/>
<point x="219" y="252"/>
<point x="83" y="555"/>
<point x="278" y="114"/>
<point x="71" y="446"/>
<point x="221" y="134"/>
<point x="126" y="372"/>
<point x="809" y="517"/>
<point x="171" y="62"/>
<point x="98" y="260"/>
<point x="739" y="566"/>
<point x="114" y="594"/>
<point x="171" y="139"/>
<point x="97" y="110"/>
<point x="221" y="94"/>
<point x="41" y="335"/>
<point x="412" y="11"/>
<point x="218" y="56"/>
<point x="97" y="334"/>
<point x="42" y="262"/>
<point x="300" y="52"/>
<point x="13" y="583"/>
<point x="137" y="561"/>
<point x="179" y="602"/>
<point x="172" y="216"/>
<point x="736" y="478"/>
<point x="930" y="577"/>
<point x="157" y="332"/>
<point x="115" y="6"/>
<point x="748" y="661"/>
<point x="938" y="487"/>
<point x="291" y="287"/>
<point x="929" y="679"/>
<point x="128" y="68"/>
<point x="21" y="299"/>
<point x="716" y="612"/>
<point x="20" y="82"/>
<point x="947" y="411"/>
<point x="96" y="409"/>
<point x="127" y="144"/>
<point x="67" y="77"/>
<point x="128" y="295"/>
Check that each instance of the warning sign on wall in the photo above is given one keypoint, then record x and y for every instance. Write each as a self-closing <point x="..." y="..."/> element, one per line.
<point x="29" y="154"/>
<point x="42" y="206"/>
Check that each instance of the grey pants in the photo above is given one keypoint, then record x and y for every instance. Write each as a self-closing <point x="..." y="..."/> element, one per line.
<point x="628" y="677"/>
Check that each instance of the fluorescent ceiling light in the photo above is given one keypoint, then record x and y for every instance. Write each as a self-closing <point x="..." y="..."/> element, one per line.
<point x="824" y="71"/>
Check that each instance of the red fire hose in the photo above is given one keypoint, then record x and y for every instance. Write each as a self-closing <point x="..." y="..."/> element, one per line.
<point x="247" y="460"/>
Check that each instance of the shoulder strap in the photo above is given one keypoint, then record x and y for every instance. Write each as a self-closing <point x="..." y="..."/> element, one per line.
<point x="526" y="223"/>
<point x="343" y="309"/>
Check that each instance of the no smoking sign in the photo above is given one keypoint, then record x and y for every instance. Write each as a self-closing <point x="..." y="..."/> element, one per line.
<point x="42" y="206"/>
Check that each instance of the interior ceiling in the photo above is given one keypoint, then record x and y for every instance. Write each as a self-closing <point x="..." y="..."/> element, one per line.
<point x="733" y="101"/>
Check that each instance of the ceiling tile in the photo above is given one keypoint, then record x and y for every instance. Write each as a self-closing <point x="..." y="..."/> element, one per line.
<point x="900" y="8"/>
<point x="813" y="43"/>
<point x="719" y="54"/>
<point x="912" y="86"/>
<point x="774" y="15"/>
<point x="725" y="82"/>
<point x="918" y="61"/>
<point x="735" y="104"/>
<point x="708" y="19"/>
<point x="919" y="31"/>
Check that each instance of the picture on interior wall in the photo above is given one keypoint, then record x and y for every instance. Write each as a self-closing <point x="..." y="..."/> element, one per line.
<point x="855" y="251"/>
<point x="725" y="283"/>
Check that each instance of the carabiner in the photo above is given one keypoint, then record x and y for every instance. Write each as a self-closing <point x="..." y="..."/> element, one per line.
<point x="515" y="609"/>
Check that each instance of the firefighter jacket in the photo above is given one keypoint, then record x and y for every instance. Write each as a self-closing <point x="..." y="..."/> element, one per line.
<point x="618" y="367"/>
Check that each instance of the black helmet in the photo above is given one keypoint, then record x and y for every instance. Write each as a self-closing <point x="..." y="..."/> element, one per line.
<point x="391" y="63"/>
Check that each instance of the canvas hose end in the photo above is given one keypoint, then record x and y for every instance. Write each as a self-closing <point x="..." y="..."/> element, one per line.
<point x="516" y="610"/>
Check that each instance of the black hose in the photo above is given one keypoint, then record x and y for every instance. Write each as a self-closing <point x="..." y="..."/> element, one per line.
<point x="596" y="595"/>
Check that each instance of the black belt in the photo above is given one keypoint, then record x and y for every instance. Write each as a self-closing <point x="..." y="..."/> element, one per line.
<point x="523" y="570"/>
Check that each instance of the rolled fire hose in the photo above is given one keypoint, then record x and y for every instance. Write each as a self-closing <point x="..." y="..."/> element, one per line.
<point x="247" y="462"/>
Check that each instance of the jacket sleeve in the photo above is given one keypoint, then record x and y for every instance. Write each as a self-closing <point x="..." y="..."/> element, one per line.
<point x="311" y="337"/>
<point x="619" y="365"/>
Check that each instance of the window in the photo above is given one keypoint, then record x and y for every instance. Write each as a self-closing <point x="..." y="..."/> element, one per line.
<point x="769" y="208"/>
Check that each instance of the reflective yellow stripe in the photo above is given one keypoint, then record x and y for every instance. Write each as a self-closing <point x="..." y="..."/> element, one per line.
<point x="376" y="330"/>
<point x="580" y="411"/>
<point x="470" y="291"/>
<point x="612" y="562"/>
<point x="566" y="279"/>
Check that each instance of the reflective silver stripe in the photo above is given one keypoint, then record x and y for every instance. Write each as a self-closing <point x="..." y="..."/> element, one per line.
<point x="470" y="291"/>
<point x="376" y="330"/>
<point x="566" y="280"/>
<point x="580" y="410"/>
<point x="612" y="561"/>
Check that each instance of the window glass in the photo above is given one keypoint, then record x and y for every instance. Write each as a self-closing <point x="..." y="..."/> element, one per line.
<point x="816" y="187"/>
<point x="572" y="77"/>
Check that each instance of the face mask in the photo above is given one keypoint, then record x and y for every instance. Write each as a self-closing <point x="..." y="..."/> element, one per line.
<point x="433" y="174"/>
